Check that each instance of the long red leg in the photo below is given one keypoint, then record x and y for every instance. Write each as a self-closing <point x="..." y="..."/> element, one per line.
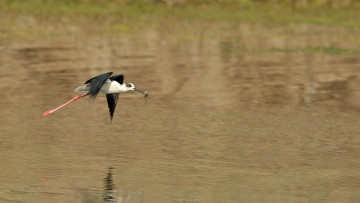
<point x="57" y="108"/>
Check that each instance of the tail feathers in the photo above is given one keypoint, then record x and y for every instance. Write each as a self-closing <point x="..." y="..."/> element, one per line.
<point x="82" y="89"/>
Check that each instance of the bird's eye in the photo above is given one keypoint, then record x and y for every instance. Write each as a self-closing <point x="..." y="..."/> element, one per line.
<point x="128" y="85"/>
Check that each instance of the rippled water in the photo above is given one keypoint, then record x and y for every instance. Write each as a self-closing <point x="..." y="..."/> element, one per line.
<point x="220" y="125"/>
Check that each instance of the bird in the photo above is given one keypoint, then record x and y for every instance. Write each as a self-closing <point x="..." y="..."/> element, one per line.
<point x="102" y="84"/>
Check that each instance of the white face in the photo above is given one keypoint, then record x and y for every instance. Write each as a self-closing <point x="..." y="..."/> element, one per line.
<point x="129" y="86"/>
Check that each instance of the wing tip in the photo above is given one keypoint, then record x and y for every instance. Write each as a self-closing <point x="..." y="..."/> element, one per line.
<point x="89" y="80"/>
<point x="112" y="101"/>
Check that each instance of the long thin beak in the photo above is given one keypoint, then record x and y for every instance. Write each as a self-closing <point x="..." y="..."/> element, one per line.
<point x="140" y="91"/>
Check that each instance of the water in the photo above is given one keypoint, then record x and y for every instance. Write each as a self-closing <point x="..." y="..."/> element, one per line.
<point x="220" y="125"/>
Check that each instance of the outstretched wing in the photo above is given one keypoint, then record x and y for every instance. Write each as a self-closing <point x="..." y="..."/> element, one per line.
<point x="96" y="83"/>
<point x="118" y="78"/>
<point x="112" y="100"/>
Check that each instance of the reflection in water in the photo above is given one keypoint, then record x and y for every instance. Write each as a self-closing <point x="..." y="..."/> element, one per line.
<point x="111" y="194"/>
<point x="109" y="187"/>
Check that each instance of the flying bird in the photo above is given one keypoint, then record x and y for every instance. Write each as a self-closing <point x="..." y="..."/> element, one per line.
<point x="102" y="84"/>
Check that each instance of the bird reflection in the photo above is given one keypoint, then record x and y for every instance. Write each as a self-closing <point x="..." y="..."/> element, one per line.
<point x="111" y="194"/>
<point x="109" y="187"/>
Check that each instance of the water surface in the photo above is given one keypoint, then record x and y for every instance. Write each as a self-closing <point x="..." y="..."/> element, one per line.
<point x="224" y="122"/>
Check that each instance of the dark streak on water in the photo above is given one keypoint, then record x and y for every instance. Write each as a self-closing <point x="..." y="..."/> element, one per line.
<point x="109" y="187"/>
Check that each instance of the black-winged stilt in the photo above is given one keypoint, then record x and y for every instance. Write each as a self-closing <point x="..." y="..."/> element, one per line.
<point x="103" y="84"/>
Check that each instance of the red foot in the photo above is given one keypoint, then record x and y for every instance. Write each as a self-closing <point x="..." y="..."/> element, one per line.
<point x="53" y="110"/>
<point x="46" y="114"/>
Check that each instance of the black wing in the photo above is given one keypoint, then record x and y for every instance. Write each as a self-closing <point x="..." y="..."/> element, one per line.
<point x="112" y="100"/>
<point x="96" y="83"/>
<point x="118" y="78"/>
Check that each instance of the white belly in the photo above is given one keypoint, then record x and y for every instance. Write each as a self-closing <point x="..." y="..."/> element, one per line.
<point x="110" y="88"/>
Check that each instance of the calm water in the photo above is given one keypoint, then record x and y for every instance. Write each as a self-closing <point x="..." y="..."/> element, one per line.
<point x="219" y="125"/>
